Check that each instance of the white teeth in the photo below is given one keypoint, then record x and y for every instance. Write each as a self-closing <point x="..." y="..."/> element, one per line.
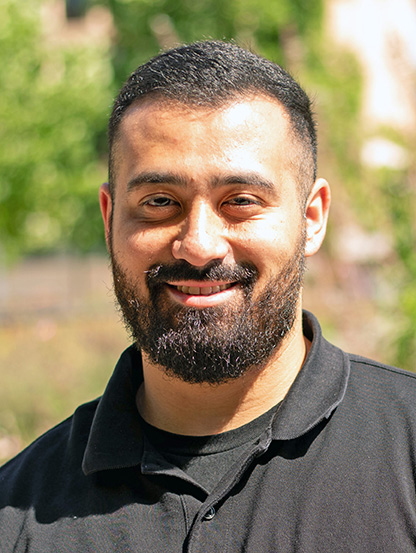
<point x="205" y="291"/>
<point x="194" y="290"/>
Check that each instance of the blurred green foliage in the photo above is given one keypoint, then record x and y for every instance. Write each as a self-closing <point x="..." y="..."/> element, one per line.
<point x="52" y="108"/>
<point x="146" y="25"/>
<point x="398" y="192"/>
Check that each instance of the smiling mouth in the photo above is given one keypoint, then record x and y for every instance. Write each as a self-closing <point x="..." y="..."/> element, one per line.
<point x="203" y="290"/>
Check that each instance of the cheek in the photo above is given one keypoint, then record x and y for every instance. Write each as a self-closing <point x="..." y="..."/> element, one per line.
<point x="261" y="238"/>
<point x="269" y="247"/>
<point x="263" y="249"/>
<point x="144" y="247"/>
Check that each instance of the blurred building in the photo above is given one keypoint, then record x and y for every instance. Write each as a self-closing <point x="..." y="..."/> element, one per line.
<point x="382" y="34"/>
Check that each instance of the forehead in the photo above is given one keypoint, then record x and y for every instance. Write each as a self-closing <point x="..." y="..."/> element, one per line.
<point x="237" y="133"/>
<point x="148" y="113"/>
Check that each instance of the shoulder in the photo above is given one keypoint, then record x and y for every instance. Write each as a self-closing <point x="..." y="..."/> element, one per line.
<point x="382" y="392"/>
<point x="368" y="371"/>
<point x="40" y="466"/>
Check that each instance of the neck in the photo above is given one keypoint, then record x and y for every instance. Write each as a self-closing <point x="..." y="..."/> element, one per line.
<point x="205" y="409"/>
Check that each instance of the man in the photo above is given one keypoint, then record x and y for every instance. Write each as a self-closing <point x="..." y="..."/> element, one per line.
<point x="231" y="425"/>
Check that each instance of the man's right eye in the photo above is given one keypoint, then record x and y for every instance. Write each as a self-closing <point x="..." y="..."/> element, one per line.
<point x="159" y="201"/>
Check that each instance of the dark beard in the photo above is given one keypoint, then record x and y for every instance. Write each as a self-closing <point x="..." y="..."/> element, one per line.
<point x="215" y="344"/>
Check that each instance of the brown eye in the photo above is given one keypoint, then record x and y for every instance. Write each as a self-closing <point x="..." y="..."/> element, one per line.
<point x="160" y="201"/>
<point x="156" y="208"/>
<point x="241" y="201"/>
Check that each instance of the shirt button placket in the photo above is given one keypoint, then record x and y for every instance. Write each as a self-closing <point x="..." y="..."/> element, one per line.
<point x="200" y="534"/>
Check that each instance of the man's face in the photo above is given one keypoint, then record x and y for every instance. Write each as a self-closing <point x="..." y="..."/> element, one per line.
<point x="206" y="234"/>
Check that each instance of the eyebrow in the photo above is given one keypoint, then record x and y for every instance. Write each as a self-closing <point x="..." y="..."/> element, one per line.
<point x="248" y="178"/>
<point x="153" y="177"/>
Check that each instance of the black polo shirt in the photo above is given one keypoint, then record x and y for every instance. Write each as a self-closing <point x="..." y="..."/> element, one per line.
<point x="333" y="472"/>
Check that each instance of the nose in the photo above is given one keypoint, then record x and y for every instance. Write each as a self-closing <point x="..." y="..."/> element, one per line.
<point x="202" y="238"/>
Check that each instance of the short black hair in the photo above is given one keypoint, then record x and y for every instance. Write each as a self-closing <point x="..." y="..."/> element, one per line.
<point x="210" y="74"/>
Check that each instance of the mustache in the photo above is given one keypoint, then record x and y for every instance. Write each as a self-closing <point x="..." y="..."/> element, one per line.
<point x="246" y="273"/>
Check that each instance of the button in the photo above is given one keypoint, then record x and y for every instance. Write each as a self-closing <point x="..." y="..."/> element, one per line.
<point x="209" y="515"/>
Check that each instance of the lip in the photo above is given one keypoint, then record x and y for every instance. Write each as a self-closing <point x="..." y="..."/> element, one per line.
<point x="201" y="293"/>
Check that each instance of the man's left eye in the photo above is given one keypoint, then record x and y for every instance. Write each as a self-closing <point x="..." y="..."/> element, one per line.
<point x="242" y="201"/>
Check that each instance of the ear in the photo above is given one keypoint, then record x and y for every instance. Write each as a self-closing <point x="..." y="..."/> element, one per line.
<point x="106" y="205"/>
<point x="316" y="215"/>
